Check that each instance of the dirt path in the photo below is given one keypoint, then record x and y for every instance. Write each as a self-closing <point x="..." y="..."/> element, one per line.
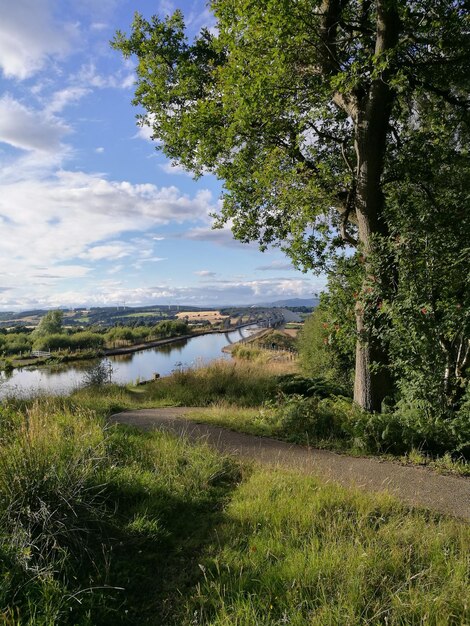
<point x="415" y="486"/>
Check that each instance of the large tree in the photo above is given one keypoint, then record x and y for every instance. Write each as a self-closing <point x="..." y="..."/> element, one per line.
<point x="300" y="107"/>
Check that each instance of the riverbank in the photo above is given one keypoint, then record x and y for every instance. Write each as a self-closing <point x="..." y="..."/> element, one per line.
<point x="162" y="342"/>
<point x="62" y="357"/>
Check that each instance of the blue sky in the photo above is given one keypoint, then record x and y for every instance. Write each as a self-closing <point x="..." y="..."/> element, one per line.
<point x="90" y="213"/>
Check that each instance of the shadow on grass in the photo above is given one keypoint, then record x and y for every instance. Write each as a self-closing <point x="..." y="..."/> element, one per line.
<point x="155" y="539"/>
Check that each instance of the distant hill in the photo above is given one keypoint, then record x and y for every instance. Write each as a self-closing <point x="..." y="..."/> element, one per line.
<point x="310" y="302"/>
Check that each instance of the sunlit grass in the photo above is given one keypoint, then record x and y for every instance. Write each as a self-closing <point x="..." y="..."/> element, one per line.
<point x="104" y="525"/>
<point x="296" y="551"/>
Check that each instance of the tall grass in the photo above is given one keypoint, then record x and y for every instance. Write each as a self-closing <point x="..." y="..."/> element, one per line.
<point x="242" y="383"/>
<point x="88" y="514"/>
<point x="103" y="526"/>
<point x="50" y="506"/>
<point x="295" y="551"/>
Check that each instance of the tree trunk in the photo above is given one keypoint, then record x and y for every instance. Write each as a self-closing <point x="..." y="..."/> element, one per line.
<point x="373" y="384"/>
<point x="372" y="381"/>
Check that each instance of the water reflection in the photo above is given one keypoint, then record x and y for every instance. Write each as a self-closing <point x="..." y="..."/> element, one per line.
<point x="60" y="379"/>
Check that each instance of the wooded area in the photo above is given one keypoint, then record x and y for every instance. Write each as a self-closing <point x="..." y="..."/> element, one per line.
<point x="340" y="131"/>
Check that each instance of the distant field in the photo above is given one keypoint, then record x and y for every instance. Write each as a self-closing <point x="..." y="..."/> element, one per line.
<point x="292" y="332"/>
<point x="194" y="316"/>
<point x="147" y="314"/>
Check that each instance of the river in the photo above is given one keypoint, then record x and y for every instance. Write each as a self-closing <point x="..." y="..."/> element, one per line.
<point x="126" y="368"/>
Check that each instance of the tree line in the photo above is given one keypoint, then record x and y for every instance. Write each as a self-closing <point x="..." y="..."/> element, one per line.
<point x="50" y="334"/>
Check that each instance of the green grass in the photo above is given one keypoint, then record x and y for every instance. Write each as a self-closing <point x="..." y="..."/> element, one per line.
<point x="105" y="525"/>
<point x="240" y="383"/>
<point x="295" y="551"/>
<point x="248" y="397"/>
<point x="100" y="525"/>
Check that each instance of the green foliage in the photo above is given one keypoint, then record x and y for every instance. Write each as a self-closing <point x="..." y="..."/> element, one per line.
<point x="327" y="340"/>
<point x="87" y="510"/>
<point x="85" y="340"/>
<point x="50" y="324"/>
<point x="289" y="106"/>
<point x="171" y="328"/>
<point x="318" y="421"/>
<point x="52" y="342"/>
<point x="289" y="384"/>
<point x="14" y="343"/>
<point x="99" y="374"/>
<point x="246" y="102"/>
<point x="120" y="333"/>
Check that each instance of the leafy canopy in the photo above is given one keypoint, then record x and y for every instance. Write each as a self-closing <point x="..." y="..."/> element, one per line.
<point x="271" y="104"/>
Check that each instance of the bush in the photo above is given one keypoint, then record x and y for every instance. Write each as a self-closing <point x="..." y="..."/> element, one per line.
<point x="294" y="384"/>
<point x="52" y="342"/>
<point x="309" y="418"/>
<point x="14" y="343"/>
<point x="171" y="328"/>
<point x="335" y="418"/>
<point x="98" y="374"/>
<point x="86" y="341"/>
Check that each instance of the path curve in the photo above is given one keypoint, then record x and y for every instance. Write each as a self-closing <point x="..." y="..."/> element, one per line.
<point x="416" y="486"/>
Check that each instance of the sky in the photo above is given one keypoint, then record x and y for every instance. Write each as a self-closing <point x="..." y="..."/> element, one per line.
<point x="90" y="213"/>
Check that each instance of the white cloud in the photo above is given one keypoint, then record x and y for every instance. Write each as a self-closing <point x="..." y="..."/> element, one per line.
<point x="219" y="236"/>
<point x="197" y="20"/>
<point x="88" y="76"/>
<point x="205" y="273"/>
<point x="166" y="7"/>
<point x="276" y="266"/>
<point x="58" y="272"/>
<point x="51" y="222"/>
<point x="145" y="131"/>
<point x="64" y="97"/>
<point x="127" y="82"/>
<point x="170" y="168"/>
<point x="111" y="292"/>
<point x="29" y="36"/>
<point x="99" y="150"/>
<point x="99" y="26"/>
<point x="28" y="129"/>
<point x="109" y="252"/>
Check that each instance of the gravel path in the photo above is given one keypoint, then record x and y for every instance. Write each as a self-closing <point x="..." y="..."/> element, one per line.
<point x="415" y="486"/>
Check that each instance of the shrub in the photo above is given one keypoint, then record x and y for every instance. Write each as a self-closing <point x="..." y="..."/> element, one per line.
<point x="98" y="374"/>
<point x="14" y="343"/>
<point x="295" y="384"/>
<point x="52" y="342"/>
<point x="86" y="340"/>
